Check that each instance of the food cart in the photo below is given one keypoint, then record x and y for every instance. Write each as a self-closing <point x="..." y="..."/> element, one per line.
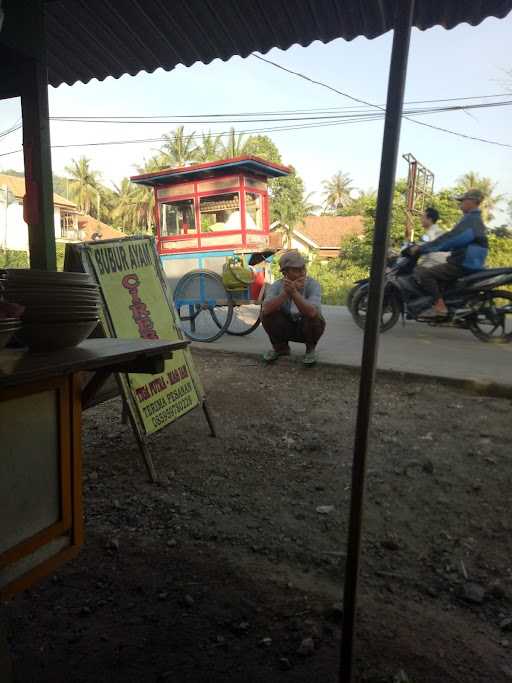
<point x="206" y="214"/>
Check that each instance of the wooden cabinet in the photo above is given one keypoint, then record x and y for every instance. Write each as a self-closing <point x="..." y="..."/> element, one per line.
<point x="41" y="521"/>
<point x="41" y="516"/>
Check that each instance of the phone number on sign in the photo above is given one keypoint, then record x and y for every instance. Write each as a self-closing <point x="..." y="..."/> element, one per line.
<point x="172" y="411"/>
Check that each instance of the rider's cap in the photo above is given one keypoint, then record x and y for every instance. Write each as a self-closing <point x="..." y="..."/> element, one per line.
<point x="476" y="195"/>
<point x="291" y="259"/>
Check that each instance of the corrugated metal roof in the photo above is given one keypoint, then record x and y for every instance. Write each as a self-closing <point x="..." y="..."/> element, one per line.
<point x="99" y="38"/>
<point x="211" y="169"/>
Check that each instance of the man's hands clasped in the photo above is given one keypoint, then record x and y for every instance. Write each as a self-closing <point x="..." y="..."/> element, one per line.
<point x="293" y="287"/>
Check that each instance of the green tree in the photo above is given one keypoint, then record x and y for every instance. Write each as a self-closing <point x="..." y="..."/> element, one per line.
<point x="449" y="210"/>
<point x="107" y="204"/>
<point x="210" y="148"/>
<point x="84" y="184"/>
<point x="262" y="146"/>
<point x="358" y="250"/>
<point x="289" y="204"/>
<point x="359" y="205"/>
<point x="471" y="180"/>
<point x="337" y="192"/>
<point x="135" y="204"/>
<point x="12" y="171"/>
<point x="503" y="231"/>
<point x="127" y="214"/>
<point x="178" y="148"/>
<point x="234" y="145"/>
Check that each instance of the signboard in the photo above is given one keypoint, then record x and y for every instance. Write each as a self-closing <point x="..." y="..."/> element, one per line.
<point x="137" y="305"/>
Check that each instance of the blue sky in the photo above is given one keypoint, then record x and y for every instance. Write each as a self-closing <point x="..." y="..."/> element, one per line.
<point x="463" y="62"/>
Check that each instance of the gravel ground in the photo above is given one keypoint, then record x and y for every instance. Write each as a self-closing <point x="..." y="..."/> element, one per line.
<point x="231" y="568"/>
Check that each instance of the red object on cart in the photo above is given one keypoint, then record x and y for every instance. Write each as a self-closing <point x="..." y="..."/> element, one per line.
<point x="257" y="284"/>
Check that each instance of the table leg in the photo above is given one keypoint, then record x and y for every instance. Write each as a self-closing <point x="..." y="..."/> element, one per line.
<point x="6" y="675"/>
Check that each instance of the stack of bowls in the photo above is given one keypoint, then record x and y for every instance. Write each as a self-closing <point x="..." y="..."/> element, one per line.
<point x="8" y="328"/>
<point x="61" y="309"/>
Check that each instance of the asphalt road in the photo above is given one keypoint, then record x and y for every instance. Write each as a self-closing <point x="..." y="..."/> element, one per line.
<point x="415" y="347"/>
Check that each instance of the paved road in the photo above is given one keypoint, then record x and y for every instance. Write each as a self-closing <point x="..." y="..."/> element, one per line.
<point x="418" y="348"/>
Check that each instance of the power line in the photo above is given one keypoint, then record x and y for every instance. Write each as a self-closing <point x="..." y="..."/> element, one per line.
<point x="370" y="104"/>
<point x="367" y="116"/>
<point x="16" y="126"/>
<point x="250" y="131"/>
<point x="305" y="122"/>
<point x="141" y="117"/>
<point x="354" y="115"/>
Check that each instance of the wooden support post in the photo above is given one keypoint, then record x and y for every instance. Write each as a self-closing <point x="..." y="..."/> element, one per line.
<point x="38" y="205"/>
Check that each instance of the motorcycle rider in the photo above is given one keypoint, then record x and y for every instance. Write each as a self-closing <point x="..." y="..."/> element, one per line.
<point x="468" y="245"/>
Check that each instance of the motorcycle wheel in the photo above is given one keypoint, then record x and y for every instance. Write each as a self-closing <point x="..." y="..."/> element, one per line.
<point x="390" y="310"/>
<point x="350" y="295"/>
<point x="492" y="321"/>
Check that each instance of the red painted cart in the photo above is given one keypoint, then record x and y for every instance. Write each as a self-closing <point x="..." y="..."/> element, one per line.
<point x="206" y="214"/>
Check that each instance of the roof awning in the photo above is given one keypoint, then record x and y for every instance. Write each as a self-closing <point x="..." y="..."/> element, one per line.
<point x="99" y="38"/>
<point x="212" y="169"/>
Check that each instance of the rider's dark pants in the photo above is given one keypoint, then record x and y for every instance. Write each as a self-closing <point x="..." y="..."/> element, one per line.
<point x="281" y="329"/>
<point x="429" y="279"/>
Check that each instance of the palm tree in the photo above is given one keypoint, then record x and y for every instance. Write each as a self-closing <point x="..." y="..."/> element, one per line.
<point x="309" y="207"/>
<point x="145" y="197"/>
<point x="210" y="148"/>
<point x="135" y="204"/>
<point x="472" y="180"/>
<point x="85" y="183"/>
<point x="235" y="145"/>
<point x="178" y="149"/>
<point x="337" y="191"/>
<point x="126" y="213"/>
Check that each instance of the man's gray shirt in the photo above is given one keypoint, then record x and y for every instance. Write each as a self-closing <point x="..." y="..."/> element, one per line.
<point x="312" y="292"/>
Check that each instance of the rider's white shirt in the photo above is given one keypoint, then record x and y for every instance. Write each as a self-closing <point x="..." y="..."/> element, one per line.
<point x="435" y="258"/>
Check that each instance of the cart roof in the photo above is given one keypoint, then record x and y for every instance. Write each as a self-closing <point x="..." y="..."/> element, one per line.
<point x="246" y="164"/>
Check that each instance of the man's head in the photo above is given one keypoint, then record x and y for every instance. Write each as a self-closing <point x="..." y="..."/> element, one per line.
<point x="470" y="200"/>
<point x="292" y="264"/>
<point x="430" y="216"/>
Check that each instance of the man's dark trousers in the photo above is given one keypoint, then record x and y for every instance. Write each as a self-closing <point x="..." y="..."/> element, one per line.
<point x="282" y="329"/>
<point x="429" y="279"/>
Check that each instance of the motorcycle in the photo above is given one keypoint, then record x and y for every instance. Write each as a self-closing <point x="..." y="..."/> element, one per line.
<point x="474" y="301"/>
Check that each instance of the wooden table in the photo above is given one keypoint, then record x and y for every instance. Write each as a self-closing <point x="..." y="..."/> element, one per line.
<point x="41" y="520"/>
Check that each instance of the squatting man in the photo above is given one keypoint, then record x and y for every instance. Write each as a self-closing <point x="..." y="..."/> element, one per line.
<point x="292" y="310"/>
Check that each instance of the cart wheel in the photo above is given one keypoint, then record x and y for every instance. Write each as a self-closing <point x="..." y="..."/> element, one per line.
<point x="246" y="318"/>
<point x="204" y="307"/>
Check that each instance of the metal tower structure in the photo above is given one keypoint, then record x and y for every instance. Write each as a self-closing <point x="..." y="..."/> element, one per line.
<point x="420" y="187"/>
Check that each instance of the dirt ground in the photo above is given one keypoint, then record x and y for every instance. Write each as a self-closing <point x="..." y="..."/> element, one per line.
<point x="231" y="569"/>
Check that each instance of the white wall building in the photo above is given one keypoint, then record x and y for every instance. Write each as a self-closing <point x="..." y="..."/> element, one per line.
<point x="14" y="230"/>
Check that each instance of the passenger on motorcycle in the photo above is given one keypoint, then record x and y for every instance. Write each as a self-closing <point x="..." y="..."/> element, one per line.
<point x="468" y="245"/>
<point x="432" y="231"/>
